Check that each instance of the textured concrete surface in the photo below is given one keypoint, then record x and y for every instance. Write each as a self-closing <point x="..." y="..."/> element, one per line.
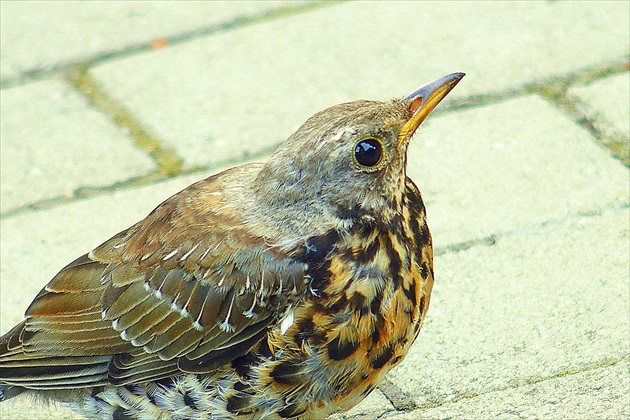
<point x="47" y="34"/>
<point x="608" y="100"/>
<point x="524" y="163"/>
<point x="246" y="89"/>
<point x="524" y="169"/>
<point x="583" y="395"/>
<point x="51" y="138"/>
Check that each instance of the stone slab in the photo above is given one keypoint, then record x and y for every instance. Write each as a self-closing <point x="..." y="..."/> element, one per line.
<point x="536" y="305"/>
<point x="509" y="166"/>
<point x="53" y="142"/>
<point x="600" y="393"/>
<point x="43" y="34"/>
<point x="608" y="100"/>
<point x="22" y="408"/>
<point x="246" y="89"/>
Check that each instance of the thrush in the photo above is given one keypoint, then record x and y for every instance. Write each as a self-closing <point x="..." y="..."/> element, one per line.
<point x="283" y="289"/>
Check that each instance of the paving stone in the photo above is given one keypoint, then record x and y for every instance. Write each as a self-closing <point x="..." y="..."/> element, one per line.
<point x="241" y="91"/>
<point x="608" y="100"/>
<point x="508" y="166"/>
<point x="593" y="394"/>
<point x="52" y="143"/>
<point x="21" y="408"/>
<point x="536" y="304"/>
<point x="47" y="33"/>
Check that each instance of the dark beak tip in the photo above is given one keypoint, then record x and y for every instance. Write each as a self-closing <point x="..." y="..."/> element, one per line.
<point x="422" y="92"/>
<point x="424" y="99"/>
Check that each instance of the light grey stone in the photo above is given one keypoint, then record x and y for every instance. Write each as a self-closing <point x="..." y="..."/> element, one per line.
<point x="42" y="34"/>
<point x="608" y="102"/>
<point x="600" y="393"/>
<point x="243" y="90"/>
<point x="53" y="142"/>
<point x="508" y="166"/>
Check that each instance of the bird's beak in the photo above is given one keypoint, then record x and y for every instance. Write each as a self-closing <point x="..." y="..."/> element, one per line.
<point x="424" y="100"/>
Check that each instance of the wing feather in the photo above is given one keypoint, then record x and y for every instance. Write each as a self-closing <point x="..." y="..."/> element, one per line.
<point x="188" y="288"/>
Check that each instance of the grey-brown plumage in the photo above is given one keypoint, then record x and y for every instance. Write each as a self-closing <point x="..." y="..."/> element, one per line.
<point x="284" y="289"/>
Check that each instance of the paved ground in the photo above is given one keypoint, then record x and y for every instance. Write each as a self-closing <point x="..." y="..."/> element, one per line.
<point x="108" y="108"/>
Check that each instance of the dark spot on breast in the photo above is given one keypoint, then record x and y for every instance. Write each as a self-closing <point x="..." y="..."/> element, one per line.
<point x="424" y="269"/>
<point x="394" y="225"/>
<point x="320" y="275"/>
<point x="291" y="411"/>
<point x="316" y="253"/>
<point x="242" y="365"/>
<point x="190" y="401"/>
<point x="383" y="358"/>
<point x="424" y="238"/>
<point x="411" y="293"/>
<point x="119" y="414"/>
<point x="378" y="326"/>
<point x="237" y="403"/>
<point x="334" y="308"/>
<point x="375" y="305"/>
<point x="420" y="230"/>
<point x="318" y="247"/>
<point x="368" y="390"/>
<point x="422" y="303"/>
<point x="414" y="200"/>
<point x="376" y="335"/>
<point x="340" y="349"/>
<point x="396" y="360"/>
<point x="358" y="302"/>
<point x="367" y="254"/>
<point x="307" y="332"/>
<point x="395" y="263"/>
<point x="287" y="373"/>
<point x="339" y="306"/>
<point x="240" y="386"/>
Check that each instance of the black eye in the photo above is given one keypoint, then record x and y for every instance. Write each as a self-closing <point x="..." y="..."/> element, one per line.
<point x="368" y="152"/>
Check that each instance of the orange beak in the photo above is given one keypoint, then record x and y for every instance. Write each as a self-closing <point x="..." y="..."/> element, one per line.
<point x="424" y="100"/>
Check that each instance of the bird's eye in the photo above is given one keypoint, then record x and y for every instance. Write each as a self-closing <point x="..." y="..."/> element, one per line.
<point x="368" y="152"/>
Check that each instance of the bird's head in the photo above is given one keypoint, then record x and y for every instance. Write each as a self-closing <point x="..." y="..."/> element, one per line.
<point x="350" y="159"/>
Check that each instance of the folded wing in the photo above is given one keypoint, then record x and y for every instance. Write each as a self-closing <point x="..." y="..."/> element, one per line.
<point x="189" y="288"/>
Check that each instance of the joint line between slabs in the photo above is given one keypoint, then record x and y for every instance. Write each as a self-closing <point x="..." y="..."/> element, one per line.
<point x="135" y="48"/>
<point x="166" y="159"/>
<point x="562" y="374"/>
<point x="493" y="239"/>
<point x="600" y="130"/>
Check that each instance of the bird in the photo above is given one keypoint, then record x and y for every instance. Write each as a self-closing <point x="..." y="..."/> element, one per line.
<point x="283" y="289"/>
